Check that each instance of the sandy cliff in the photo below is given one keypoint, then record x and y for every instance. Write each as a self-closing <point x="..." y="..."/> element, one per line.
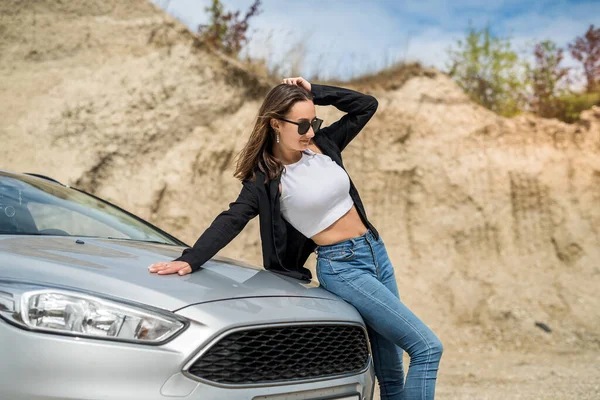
<point x="493" y="224"/>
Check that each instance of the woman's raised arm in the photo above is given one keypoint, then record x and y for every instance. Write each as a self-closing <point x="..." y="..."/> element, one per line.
<point x="358" y="106"/>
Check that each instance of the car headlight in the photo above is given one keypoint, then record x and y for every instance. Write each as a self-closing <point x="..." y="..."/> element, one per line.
<point x="57" y="310"/>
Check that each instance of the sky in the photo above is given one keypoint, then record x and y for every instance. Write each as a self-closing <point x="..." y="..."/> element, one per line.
<point x="345" y="38"/>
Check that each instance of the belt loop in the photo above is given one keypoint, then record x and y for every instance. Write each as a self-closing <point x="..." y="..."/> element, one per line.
<point x="368" y="235"/>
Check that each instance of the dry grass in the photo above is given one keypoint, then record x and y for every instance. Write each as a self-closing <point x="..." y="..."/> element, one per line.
<point x="389" y="78"/>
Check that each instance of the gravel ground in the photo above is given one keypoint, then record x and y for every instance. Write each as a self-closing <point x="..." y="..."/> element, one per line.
<point x="557" y="374"/>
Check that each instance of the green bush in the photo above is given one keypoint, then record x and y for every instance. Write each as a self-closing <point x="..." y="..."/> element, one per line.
<point x="489" y="71"/>
<point x="574" y="103"/>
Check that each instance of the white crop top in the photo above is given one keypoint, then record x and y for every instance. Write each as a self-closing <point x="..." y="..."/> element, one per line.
<point x="315" y="193"/>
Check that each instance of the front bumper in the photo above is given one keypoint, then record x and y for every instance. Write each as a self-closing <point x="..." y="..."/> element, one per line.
<point x="45" y="366"/>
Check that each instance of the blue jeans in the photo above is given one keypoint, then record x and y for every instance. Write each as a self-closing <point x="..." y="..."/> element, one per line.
<point x="359" y="271"/>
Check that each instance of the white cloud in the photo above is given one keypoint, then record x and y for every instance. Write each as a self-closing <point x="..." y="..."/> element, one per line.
<point x="430" y="47"/>
<point x="339" y="40"/>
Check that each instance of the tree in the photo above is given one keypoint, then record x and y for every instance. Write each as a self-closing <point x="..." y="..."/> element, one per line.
<point x="488" y="71"/>
<point x="225" y="30"/>
<point x="586" y="50"/>
<point x="546" y="78"/>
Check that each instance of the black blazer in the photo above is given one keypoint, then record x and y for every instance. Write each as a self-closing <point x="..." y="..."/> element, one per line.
<point x="284" y="248"/>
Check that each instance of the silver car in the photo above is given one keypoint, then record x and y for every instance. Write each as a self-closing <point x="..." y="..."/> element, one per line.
<point x="82" y="318"/>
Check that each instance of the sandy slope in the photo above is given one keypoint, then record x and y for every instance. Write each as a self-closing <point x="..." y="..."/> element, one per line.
<point x="493" y="224"/>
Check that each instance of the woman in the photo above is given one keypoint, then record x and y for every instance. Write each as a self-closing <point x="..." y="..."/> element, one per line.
<point x="293" y="177"/>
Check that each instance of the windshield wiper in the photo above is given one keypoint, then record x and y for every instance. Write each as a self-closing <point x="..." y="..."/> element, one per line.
<point x="140" y="240"/>
<point x="23" y="233"/>
<point x="83" y="236"/>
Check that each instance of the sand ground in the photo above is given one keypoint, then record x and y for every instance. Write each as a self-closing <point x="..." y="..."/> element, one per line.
<point x="549" y="375"/>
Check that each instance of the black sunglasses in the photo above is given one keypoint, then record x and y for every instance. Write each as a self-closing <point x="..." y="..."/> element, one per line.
<point x="304" y="124"/>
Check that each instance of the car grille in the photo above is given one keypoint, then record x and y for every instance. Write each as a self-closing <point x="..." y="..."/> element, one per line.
<point x="263" y="355"/>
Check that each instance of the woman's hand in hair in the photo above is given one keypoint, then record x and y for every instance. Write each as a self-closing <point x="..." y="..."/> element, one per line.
<point x="300" y="81"/>
<point x="171" y="267"/>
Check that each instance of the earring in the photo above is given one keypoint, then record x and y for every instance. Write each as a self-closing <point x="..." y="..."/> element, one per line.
<point x="277" y="136"/>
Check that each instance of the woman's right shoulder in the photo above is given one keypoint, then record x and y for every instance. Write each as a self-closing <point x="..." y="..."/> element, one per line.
<point x="257" y="178"/>
<point x="254" y="178"/>
<point x="255" y="182"/>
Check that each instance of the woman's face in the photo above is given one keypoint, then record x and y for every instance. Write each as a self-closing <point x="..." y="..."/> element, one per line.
<point x="288" y="132"/>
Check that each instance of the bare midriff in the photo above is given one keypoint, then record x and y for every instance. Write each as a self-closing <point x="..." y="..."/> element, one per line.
<point x="346" y="227"/>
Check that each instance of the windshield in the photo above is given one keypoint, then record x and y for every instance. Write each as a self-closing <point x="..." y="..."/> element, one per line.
<point x="34" y="206"/>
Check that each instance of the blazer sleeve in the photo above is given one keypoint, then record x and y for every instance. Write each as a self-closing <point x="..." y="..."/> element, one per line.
<point x="358" y="106"/>
<point x="225" y="227"/>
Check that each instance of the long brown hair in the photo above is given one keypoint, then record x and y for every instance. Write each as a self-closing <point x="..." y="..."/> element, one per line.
<point x="258" y="150"/>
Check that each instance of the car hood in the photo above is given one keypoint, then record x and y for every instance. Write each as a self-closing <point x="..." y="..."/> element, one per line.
<point x="119" y="268"/>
